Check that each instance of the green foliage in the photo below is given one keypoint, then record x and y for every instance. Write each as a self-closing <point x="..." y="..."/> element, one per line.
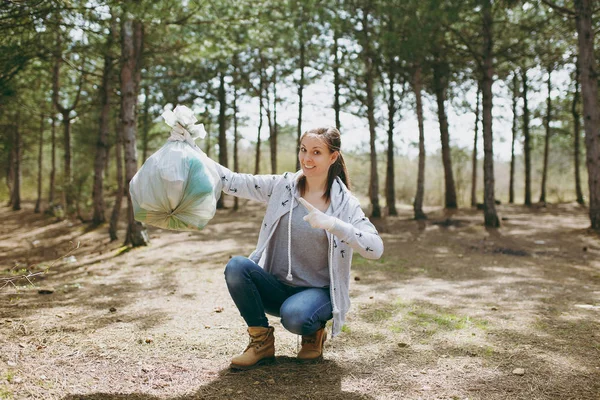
<point x="188" y="44"/>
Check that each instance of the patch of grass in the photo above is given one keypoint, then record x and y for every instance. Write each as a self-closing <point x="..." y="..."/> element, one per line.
<point x="10" y="375"/>
<point x="383" y="312"/>
<point x="431" y="321"/>
<point x="392" y="264"/>
<point x="122" y="250"/>
<point x="5" y="393"/>
<point x="398" y="328"/>
<point x="488" y="352"/>
<point x="346" y="328"/>
<point x="444" y="321"/>
<point x="18" y="272"/>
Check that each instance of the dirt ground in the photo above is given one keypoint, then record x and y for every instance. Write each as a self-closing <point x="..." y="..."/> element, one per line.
<point x="451" y="311"/>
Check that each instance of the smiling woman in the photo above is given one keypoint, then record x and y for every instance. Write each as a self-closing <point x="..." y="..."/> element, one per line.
<point x="321" y="162"/>
<point x="300" y="270"/>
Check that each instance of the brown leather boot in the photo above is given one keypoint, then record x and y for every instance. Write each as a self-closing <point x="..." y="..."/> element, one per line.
<point x="260" y="350"/>
<point x="312" y="346"/>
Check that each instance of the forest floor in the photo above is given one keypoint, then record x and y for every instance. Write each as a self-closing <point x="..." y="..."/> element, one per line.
<point x="451" y="311"/>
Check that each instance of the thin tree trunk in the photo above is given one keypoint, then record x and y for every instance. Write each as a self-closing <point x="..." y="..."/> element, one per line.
<point x="38" y="203"/>
<point x="547" y="139"/>
<point x="576" y="136"/>
<point x="273" y="126"/>
<point x="10" y="171"/>
<point x="258" y="140"/>
<point x="98" y="206"/>
<point x="489" y="206"/>
<point x="300" y="99"/>
<point x="336" y="78"/>
<point x="526" y="140"/>
<point x="65" y="112"/>
<point x="511" y="183"/>
<point x="589" y="91"/>
<point x="16" y="190"/>
<point x="131" y="45"/>
<point x="107" y="159"/>
<point x="390" y="189"/>
<point x="260" y="114"/>
<point x="419" y="196"/>
<point x="116" y="211"/>
<point x="236" y="163"/>
<point x="52" y="163"/>
<point x="370" y="83"/>
<point x="146" y="124"/>
<point x="269" y="123"/>
<point x="223" y="159"/>
<point x="440" y="72"/>
<point x="208" y="128"/>
<point x="474" y="157"/>
<point x="67" y="175"/>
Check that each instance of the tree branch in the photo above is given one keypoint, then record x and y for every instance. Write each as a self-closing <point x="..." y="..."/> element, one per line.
<point x="10" y="280"/>
<point x="560" y="9"/>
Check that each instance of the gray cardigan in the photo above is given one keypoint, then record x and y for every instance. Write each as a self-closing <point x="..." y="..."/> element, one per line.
<point x="352" y="231"/>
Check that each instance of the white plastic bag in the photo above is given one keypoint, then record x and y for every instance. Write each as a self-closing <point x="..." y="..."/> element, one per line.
<point x="176" y="188"/>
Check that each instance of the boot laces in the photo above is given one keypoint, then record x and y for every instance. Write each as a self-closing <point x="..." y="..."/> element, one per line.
<point x="312" y="339"/>
<point x="256" y="341"/>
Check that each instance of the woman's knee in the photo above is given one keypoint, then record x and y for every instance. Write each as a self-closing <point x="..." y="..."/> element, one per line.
<point x="295" y="319"/>
<point x="236" y="269"/>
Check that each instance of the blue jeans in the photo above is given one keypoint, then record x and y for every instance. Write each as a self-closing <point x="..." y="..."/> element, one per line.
<point x="303" y="310"/>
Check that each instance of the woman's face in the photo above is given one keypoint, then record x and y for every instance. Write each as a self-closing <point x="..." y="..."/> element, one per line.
<point x="315" y="157"/>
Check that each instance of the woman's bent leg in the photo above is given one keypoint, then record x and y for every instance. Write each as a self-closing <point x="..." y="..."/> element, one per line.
<point x="251" y="287"/>
<point x="307" y="311"/>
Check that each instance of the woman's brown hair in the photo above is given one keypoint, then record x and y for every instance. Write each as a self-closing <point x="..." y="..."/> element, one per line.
<point x="332" y="138"/>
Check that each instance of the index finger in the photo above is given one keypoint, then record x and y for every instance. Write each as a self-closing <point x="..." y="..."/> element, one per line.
<point x="306" y="204"/>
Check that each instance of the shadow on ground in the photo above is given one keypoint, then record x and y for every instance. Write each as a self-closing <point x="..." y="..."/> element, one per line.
<point x="285" y="379"/>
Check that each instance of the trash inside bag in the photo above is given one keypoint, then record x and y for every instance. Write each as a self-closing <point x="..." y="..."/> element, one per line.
<point x="175" y="188"/>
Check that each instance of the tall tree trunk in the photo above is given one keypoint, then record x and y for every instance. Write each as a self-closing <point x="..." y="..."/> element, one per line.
<point x="260" y="113"/>
<point x="370" y="83"/>
<point x="547" y="138"/>
<point x="390" y="189"/>
<point x="208" y="128"/>
<point x="336" y="78"/>
<point x="10" y="172"/>
<point x="258" y="140"/>
<point x="419" y="196"/>
<point x="526" y="140"/>
<point x="272" y="139"/>
<point x="489" y="205"/>
<point x="52" y="163"/>
<point x="98" y="206"/>
<point x="300" y="98"/>
<point x="515" y="99"/>
<point x="474" y="156"/>
<point x="67" y="175"/>
<point x="146" y="124"/>
<point x="589" y="91"/>
<point x="236" y="163"/>
<point x="576" y="136"/>
<point x="16" y="190"/>
<point x="440" y="73"/>
<point x="38" y="203"/>
<point x="131" y="48"/>
<point x="116" y="211"/>
<point x="274" y="130"/>
<point x="223" y="159"/>
<point x="65" y="112"/>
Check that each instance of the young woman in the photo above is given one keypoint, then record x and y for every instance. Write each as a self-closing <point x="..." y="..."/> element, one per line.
<point x="300" y="270"/>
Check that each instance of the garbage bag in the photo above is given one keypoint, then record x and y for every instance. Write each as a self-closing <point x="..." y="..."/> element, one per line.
<point x="176" y="188"/>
